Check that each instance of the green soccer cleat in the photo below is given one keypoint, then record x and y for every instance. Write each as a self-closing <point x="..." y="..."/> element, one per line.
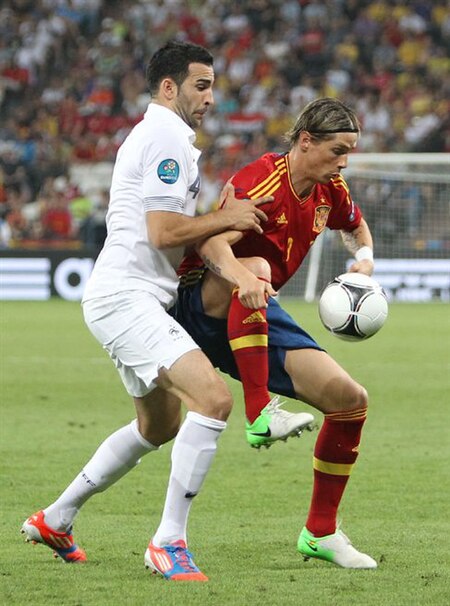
<point x="335" y="548"/>
<point x="274" y="424"/>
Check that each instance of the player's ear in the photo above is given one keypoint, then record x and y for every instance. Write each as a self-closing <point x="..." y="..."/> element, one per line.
<point x="304" y="140"/>
<point x="168" y="88"/>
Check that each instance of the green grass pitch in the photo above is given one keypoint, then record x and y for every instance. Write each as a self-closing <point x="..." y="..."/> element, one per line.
<point x="61" y="396"/>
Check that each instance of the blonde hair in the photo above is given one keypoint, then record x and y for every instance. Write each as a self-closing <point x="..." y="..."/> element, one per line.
<point x="322" y="119"/>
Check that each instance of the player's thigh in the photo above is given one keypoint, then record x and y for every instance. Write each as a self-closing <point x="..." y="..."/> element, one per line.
<point x="139" y="335"/>
<point x="216" y="295"/>
<point x="322" y="382"/>
<point x="194" y="380"/>
<point x="216" y="292"/>
<point x="159" y="416"/>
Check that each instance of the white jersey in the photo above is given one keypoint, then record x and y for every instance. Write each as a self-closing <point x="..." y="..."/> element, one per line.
<point x="156" y="169"/>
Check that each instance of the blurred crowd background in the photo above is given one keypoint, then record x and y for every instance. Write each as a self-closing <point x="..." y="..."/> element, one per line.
<point x="72" y="86"/>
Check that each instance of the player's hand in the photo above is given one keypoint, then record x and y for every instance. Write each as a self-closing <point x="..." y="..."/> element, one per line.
<point x="366" y="266"/>
<point x="246" y="214"/>
<point x="254" y="293"/>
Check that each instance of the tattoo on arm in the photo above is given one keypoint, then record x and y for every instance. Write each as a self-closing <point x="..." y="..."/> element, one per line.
<point x="210" y="265"/>
<point x="352" y="240"/>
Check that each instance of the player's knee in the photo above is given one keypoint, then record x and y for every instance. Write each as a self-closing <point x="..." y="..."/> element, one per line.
<point x="356" y="396"/>
<point x="258" y="266"/>
<point x="218" y="402"/>
<point x="162" y="432"/>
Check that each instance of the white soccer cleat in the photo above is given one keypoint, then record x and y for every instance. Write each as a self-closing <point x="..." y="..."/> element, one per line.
<point x="274" y="424"/>
<point x="334" y="548"/>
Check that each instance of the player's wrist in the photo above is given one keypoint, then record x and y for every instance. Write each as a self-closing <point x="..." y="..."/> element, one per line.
<point x="364" y="253"/>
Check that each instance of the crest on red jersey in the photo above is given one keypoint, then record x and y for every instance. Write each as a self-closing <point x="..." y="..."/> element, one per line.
<point x="320" y="218"/>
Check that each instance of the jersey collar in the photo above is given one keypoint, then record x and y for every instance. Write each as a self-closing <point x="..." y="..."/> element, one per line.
<point x="303" y="199"/>
<point x="159" y="112"/>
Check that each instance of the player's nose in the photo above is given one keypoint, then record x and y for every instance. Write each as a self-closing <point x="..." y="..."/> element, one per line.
<point x="209" y="97"/>
<point x="343" y="161"/>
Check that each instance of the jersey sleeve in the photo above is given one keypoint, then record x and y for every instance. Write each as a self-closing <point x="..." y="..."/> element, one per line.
<point x="345" y="213"/>
<point x="246" y="179"/>
<point x="254" y="181"/>
<point x="166" y="168"/>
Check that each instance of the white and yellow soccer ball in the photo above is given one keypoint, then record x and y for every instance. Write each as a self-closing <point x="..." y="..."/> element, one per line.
<point x="353" y="307"/>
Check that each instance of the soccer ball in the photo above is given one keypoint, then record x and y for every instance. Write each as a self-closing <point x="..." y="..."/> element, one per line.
<point x="353" y="307"/>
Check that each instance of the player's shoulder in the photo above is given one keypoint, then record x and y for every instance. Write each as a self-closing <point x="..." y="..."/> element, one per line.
<point x="154" y="138"/>
<point x="338" y="183"/>
<point x="260" y="172"/>
<point x="271" y="161"/>
<point x="159" y="131"/>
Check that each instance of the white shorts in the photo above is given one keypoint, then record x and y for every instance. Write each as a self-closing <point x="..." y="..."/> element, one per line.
<point x="139" y="335"/>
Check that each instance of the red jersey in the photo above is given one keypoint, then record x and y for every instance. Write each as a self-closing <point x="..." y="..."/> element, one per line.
<point x="293" y="222"/>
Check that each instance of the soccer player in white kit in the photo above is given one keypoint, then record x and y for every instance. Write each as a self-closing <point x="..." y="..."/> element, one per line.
<point x="150" y="220"/>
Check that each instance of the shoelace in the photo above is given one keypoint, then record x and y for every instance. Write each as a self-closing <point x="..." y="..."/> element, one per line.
<point x="274" y="406"/>
<point x="183" y="557"/>
<point x="343" y="535"/>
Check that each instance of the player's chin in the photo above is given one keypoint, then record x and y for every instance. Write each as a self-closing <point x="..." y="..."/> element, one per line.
<point x="198" y="119"/>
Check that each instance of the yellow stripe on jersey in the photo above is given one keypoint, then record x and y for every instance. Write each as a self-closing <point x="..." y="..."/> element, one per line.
<point x="265" y="186"/>
<point x="249" y="341"/>
<point x="270" y="183"/>
<point x="271" y="191"/>
<point x="333" y="469"/>
<point x="340" y="183"/>
<point x="339" y="180"/>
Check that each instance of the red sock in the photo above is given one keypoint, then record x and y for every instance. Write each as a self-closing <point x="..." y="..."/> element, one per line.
<point x="335" y="452"/>
<point x="248" y="337"/>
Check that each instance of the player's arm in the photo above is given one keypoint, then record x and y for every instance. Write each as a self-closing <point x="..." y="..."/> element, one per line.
<point x="218" y="256"/>
<point x="172" y="229"/>
<point x="359" y="243"/>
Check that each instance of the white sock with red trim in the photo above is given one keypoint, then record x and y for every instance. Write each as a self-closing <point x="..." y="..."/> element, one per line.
<point x="115" y="457"/>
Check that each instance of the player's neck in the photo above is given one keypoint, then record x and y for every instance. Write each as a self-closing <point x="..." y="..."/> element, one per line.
<point x="302" y="184"/>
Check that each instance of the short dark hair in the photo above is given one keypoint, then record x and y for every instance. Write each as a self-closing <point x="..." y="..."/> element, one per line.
<point x="172" y="61"/>
<point x="322" y="119"/>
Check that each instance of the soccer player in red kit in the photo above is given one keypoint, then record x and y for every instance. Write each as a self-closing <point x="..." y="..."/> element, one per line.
<point x="226" y="303"/>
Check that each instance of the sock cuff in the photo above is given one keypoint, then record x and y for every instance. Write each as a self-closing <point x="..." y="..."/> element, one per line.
<point x="208" y="422"/>
<point x="358" y="414"/>
<point x="145" y="443"/>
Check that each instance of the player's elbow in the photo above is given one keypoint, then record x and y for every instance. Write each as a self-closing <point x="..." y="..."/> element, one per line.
<point x="159" y="241"/>
<point x="167" y="230"/>
<point x="163" y="239"/>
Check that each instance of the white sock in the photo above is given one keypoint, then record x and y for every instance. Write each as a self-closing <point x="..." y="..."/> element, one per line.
<point x="115" y="457"/>
<point x="192" y="454"/>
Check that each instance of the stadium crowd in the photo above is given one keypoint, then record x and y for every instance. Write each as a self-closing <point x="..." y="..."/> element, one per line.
<point x="72" y="85"/>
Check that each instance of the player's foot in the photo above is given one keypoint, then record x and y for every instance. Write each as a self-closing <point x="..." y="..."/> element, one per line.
<point x="173" y="561"/>
<point x="274" y="424"/>
<point x="37" y="531"/>
<point x="334" y="548"/>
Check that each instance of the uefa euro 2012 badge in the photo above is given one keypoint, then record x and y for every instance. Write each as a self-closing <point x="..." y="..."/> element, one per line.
<point x="169" y="171"/>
